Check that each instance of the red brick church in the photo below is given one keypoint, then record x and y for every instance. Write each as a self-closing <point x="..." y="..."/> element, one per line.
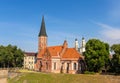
<point x="56" y="59"/>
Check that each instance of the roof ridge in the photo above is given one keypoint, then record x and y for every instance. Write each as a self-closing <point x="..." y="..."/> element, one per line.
<point x="55" y="46"/>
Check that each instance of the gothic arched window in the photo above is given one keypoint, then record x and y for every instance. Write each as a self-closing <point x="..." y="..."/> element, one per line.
<point x="54" y="65"/>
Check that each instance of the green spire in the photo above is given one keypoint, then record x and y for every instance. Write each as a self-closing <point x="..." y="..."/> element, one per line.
<point x="42" y="30"/>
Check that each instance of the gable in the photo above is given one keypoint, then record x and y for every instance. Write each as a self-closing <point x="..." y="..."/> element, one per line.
<point x="53" y="51"/>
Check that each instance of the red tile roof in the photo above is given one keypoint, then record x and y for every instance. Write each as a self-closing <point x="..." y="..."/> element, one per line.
<point x="53" y="50"/>
<point x="71" y="53"/>
<point x="41" y="53"/>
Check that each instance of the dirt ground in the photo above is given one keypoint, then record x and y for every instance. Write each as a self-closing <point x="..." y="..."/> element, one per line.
<point x="3" y="80"/>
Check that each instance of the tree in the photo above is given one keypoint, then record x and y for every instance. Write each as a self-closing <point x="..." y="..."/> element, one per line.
<point x="96" y="55"/>
<point x="11" y="56"/>
<point x="3" y="55"/>
<point x="116" y="58"/>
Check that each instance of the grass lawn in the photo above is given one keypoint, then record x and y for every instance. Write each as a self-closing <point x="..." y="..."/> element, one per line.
<point x="30" y="77"/>
<point x="25" y="71"/>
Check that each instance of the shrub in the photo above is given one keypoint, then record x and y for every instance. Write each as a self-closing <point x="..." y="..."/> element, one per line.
<point x="88" y="72"/>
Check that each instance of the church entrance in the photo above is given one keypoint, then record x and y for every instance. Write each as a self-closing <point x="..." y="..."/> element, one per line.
<point x="67" y="71"/>
<point x="61" y="70"/>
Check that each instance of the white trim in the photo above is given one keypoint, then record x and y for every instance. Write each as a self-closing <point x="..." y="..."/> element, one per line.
<point x="72" y="66"/>
<point x="65" y="66"/>
<point x="52" y="65"/>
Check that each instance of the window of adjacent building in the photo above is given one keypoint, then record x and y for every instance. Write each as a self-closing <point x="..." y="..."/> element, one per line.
<point x="54" y="65"/>
<point x="75" y="66"/>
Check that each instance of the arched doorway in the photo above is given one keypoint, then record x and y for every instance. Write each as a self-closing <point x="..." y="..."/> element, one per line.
<point x="67" y="68"/>
<point x="40" y="69"/>
<point x="61" y="70"/>
<point x="46" y="66"/>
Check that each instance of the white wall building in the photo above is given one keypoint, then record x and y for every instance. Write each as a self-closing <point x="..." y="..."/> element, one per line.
<point x="29" y="60"/>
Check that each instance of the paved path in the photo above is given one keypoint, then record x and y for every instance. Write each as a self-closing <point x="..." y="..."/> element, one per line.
<point x="3" y="80"/>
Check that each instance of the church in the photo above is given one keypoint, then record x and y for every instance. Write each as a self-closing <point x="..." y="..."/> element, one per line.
<point x="57" y="59"/>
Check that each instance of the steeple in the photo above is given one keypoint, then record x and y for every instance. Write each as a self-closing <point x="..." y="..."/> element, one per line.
<point x="42" y="30"/>
<point x="42" y="37"/>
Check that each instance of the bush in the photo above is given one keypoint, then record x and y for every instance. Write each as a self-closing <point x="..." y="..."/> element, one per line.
<point x="88" y="72"/>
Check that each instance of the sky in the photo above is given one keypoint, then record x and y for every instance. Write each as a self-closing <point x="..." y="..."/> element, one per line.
<point x="20" y="21"/>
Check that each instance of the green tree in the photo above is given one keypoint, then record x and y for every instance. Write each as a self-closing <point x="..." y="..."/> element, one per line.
<point x="96" y="55"/>
<point x="11" y="56"/>
<point x="116" y="58"/>
<point x="3" y="56"/>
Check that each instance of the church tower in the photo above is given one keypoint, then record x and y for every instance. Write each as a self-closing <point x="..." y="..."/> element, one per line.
<point x="42" y="37"/>
<point x="76" y="44"/>
<point x="83" y="43"/>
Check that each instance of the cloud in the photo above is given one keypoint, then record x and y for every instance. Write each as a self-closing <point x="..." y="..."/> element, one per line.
<point x="109" y="33"/>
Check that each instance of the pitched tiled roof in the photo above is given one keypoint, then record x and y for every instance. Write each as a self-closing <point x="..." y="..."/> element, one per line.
<point x="41" y="53"/>
<point x="71" y="53"/>
<point x="30" y="53"/>
<point x="53" y="50"/>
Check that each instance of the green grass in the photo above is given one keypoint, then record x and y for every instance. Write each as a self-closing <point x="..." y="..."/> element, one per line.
<point x="63" y="78"/>
<point x="25" y="71"/>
